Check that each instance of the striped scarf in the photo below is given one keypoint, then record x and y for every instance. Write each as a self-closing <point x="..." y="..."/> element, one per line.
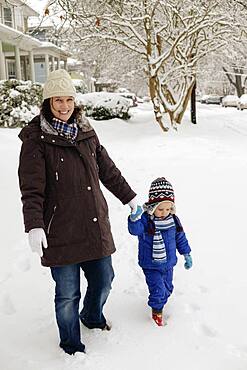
<point x="159" y="248"/>
<point x="68" y="130"/>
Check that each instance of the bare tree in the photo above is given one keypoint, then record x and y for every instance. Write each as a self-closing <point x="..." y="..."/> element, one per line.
<point x="169" y="36"/>
<point x="236" y="76"/>
<point x="234" y="58"/>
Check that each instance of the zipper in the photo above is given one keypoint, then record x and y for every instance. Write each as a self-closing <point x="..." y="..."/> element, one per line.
<point x="51" y="219"/>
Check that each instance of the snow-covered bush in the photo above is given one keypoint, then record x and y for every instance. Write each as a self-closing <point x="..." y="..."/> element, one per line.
<point x="80" y="86"/>
<point x="103" y="105"/>
<point x="19" y="102"/>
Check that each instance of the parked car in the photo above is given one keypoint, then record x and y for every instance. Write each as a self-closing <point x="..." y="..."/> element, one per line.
<point x="211" y="99"/>
<point x="230" y="101"/>
<point x="203" y="99"/>
<point x="214" y="99"/>
<point x="242" y="103"/>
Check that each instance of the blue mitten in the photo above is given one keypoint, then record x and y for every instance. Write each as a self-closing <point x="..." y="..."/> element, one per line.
<point x="137" y="214"/>
<point x="188" y="261"/>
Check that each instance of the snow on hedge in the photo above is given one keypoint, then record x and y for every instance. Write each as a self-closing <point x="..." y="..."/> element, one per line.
<point x="104" y="105"/>
<point x="20" y="102"/>
<point x="80" y="85"/>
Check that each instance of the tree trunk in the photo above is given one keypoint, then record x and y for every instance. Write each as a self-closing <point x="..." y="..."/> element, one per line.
<point x="175" y="117"/>
<point x="238" y="84"/>
<point x="156" y="102"/>
<point x="185" y="103"/>
<point x="152" y="82"/>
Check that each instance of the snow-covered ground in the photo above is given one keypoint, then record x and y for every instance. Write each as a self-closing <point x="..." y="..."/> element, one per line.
<point x="206" y="315"/>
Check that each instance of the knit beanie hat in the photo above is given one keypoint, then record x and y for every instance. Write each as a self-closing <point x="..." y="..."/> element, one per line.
<point x="160" y="191"/>
<point x="58" y="83"/>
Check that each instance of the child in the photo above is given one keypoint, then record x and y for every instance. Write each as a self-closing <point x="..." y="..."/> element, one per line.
<point x="160" y="233"/>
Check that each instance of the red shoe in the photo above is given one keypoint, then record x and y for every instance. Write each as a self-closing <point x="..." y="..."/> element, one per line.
<point x="157" y="317"/>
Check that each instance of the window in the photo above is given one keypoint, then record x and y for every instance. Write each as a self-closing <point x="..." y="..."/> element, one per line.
<point x="11" y="69"/>
<point x="7" y="16"/>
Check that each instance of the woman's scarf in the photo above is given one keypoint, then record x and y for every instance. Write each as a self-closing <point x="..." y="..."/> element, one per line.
<point x="68" y="130"/>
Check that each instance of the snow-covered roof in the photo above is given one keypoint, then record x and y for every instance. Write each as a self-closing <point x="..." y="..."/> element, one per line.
<point x="51" y="46"/>
<point x="38" y="5"/>
<point x="105" y="80"/>
<point x="15" y="37"/>
<point x="44" y="21"/>
<point x="73" y="62"/>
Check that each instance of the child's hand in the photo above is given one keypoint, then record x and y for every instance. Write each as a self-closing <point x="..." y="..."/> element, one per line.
<point x="136" y="214"/>
<point x="188" y="261"/>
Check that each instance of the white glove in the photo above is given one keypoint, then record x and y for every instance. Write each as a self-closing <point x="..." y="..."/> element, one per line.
<point x="133" y="204"/>
<point x="37" y="240"/>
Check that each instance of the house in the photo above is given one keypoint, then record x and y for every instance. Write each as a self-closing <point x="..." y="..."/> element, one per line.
<point x="23" y="56"/>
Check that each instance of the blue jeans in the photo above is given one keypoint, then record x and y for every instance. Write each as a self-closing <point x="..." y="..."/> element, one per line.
<point x="160" y="287"/>
<point x="99" y="275"/>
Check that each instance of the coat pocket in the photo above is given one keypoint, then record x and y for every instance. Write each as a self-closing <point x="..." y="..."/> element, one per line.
<point x="50" y="221"/>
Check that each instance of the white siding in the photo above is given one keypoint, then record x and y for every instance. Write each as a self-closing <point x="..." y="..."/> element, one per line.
<point x="18" y="16"/>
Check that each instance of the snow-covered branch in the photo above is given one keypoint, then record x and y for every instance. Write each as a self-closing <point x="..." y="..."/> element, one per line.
<point x="170" y="36"/>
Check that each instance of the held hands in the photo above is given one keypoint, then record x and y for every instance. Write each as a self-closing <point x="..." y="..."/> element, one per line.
<point x="188" y="261"/>
<point x="37" y="240"/>
<point x="136" y="210"/>
<point x="134" y="216"/>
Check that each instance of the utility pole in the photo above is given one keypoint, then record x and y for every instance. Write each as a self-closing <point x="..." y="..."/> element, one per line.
<point x="193" y="104"/>
<point x="193" y="95"/>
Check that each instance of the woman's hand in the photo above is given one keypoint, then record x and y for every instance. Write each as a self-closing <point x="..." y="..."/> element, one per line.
<point x="37" y="240"/>
<point x="136" y="209"/>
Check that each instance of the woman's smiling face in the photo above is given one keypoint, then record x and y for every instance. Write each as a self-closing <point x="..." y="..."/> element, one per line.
<point x="62" y="107"/>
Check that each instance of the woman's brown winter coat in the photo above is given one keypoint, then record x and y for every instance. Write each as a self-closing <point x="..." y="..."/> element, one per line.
<point x="60" y="188"/>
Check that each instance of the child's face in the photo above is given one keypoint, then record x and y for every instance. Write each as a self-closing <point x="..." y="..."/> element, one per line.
<point x="163" y="210"/>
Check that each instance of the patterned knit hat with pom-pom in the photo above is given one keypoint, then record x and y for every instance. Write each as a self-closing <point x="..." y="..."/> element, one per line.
<point x="160" y="191"/>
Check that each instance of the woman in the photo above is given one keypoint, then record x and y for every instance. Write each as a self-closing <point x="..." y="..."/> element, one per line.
<point x="65" y="212"/>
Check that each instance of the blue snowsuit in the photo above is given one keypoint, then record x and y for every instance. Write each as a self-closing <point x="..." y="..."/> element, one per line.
<point x="159" y="275"/>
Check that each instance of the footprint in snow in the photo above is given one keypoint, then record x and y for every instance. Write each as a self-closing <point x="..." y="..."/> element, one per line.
<point x="23" y="264"/>
<point x="6" y="305"/>
<point x="4" y="277"/>
<point x="203" y="289"/>
<point x="179" y="292"/>
<point x="191" y="308"/>
<point x="209" y="332"/>
<point x="237" y="351"/>
<point x="195" y="307"/>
